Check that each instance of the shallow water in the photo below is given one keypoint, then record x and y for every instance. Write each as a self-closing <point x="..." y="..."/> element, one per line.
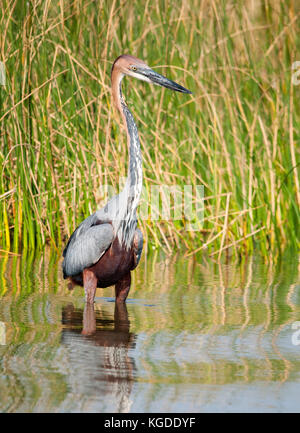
<point x="195" y="336"/>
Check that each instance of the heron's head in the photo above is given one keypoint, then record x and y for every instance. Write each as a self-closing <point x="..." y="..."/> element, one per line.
<point x="134" y="67"/>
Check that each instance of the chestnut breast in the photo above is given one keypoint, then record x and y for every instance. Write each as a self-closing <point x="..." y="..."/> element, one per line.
<point x="113" y="265"/>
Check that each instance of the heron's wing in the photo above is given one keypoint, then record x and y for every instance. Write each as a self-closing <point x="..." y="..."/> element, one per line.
<point x="89" y="222"/>
<point x="86" y="246"/>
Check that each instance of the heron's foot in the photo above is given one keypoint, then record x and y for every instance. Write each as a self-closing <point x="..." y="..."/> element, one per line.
<point x="90" y="285"/>
<point x="122" y="288"/>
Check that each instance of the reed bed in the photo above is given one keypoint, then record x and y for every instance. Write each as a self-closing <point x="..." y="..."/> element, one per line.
<point x="238" y="134"/>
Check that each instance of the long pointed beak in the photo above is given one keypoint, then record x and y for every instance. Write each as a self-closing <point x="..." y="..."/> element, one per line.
<point x="163" y="81"/>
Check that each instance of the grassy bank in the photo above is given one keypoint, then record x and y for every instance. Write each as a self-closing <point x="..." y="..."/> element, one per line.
<point x="237" y="135"/>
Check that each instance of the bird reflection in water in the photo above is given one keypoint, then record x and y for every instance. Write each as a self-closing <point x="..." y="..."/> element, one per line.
<point x="99" y="346"/>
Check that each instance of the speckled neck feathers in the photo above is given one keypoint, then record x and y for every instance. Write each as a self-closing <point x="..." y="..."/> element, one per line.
<point x="125" y="224"/>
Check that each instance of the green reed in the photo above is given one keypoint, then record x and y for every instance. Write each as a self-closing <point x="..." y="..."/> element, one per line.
<point x="237" y="134"/>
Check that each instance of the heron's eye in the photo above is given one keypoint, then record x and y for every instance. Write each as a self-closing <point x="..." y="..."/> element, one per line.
<point x="133" y="68"/>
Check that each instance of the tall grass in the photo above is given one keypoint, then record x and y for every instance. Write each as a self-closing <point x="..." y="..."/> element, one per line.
<point x="237" y="135"/>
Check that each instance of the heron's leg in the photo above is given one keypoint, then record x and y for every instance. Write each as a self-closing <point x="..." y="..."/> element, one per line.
<point x="122" y="323"/>
<point x="89" y="320"/>
<point x="122" y="288"/>
<point x="90" y="285"/>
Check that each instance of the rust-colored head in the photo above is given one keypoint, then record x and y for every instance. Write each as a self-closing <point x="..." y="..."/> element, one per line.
<point x="134" y="67"/>
<point x="127" y="64"/>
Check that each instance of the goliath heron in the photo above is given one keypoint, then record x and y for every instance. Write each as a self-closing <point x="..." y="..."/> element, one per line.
<point x="107" y="245"/>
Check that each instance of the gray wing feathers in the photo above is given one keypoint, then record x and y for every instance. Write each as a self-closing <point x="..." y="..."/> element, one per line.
<point x="86" y="247"/>
<point x="90" y="221"/>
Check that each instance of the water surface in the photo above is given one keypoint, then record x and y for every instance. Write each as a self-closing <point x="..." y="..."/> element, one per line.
<point x="195" y="336"/>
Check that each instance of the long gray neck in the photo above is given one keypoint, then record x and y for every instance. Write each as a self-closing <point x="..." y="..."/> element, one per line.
<point x="130" y="196"/>
<point x="135" y="169"/>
